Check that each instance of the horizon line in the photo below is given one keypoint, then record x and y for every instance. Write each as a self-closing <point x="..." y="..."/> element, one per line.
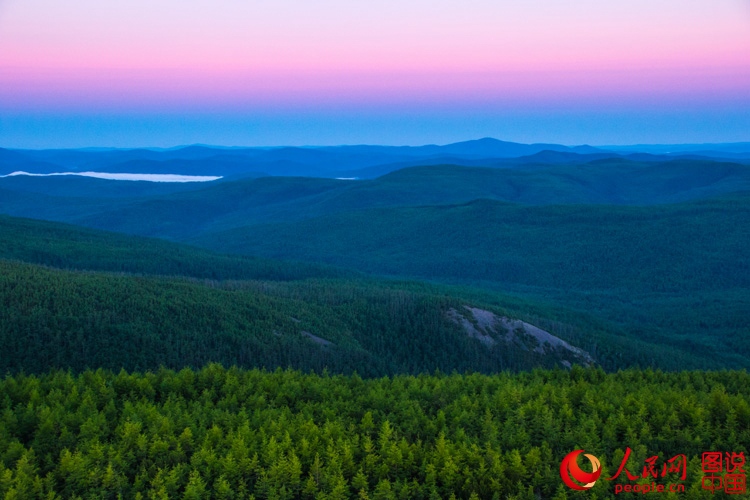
<point x="314" y="146"/>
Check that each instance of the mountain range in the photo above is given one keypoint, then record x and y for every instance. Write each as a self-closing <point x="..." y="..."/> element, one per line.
<point x="334" y="161"/>
<point x="632" y="258"/>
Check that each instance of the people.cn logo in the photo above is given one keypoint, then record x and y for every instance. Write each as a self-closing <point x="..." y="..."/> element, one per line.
<point x="569" y="470"/>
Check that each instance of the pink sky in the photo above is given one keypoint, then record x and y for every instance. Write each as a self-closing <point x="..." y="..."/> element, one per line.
<point x="192" y="57"/>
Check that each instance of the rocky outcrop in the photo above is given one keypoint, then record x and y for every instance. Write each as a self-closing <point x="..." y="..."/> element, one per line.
<point x="493" y="330"/>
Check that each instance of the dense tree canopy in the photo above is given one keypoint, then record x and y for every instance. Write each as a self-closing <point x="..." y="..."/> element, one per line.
<point x="72" y="319"/>
<point x="230" y="433"/>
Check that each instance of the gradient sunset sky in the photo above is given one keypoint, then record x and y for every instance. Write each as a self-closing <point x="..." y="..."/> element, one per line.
<point x="130" y="73"/>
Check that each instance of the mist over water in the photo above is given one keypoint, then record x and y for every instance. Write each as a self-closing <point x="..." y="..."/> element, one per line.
<point x="127" y="177"/>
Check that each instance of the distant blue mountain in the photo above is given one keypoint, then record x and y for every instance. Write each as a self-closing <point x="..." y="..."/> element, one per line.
<point x="489" y="147"/>
<point x="360" y="161"/>
<point x="484" y="148"/>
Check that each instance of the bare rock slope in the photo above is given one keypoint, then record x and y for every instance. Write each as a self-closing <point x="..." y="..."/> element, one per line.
<point x="493" y="330"/>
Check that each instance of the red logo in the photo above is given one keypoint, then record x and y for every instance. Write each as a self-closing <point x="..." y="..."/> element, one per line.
<point x="733" y="482"/>
<point x="722" y="471"/>
<point x="569" y="470"/>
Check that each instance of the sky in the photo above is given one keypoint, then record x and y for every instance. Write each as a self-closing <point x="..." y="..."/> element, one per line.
<point x="129" y="73"/>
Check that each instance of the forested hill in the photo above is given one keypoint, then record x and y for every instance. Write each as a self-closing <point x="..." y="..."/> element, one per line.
<point x="77" y="320"/>
<point x="699" y="245"/>
<point x="671" y="276"/>
<point x="73" y="247"/>
<point x="301" y="315"/>
<point x="674" y="275"/>
<point x="129" y="302"/>
<point x="182" y="213"/>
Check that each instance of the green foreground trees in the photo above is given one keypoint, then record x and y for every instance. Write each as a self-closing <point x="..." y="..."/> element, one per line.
<point x="231" y="433"/>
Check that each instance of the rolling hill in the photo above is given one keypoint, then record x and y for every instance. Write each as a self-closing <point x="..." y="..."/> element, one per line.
<point x="70" y="247"/>
<point x="644" y="253"/>
<point x="676" y="273"/>
<point x="184" y="212"/>
<point x="78" y="298"/>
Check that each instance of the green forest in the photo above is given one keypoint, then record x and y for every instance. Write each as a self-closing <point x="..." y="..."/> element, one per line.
<point x="284" y="434"/>
<point x="76" y="320"/>
<point x="440" y="332"/>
